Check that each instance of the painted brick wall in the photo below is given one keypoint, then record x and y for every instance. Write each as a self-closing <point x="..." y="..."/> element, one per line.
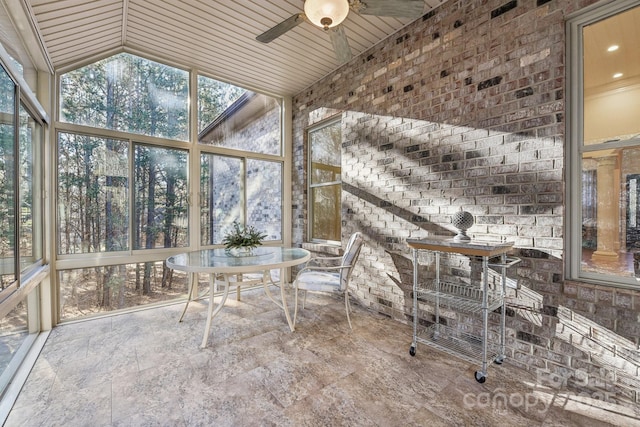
<point x="465" y="109"/>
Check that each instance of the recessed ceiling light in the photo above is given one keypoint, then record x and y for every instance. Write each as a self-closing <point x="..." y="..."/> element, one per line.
<point x="617" y="75"/>
<point x="613" y="48"/>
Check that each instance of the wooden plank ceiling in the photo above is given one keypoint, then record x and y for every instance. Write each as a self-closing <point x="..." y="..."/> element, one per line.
<point x="214" y="36"/>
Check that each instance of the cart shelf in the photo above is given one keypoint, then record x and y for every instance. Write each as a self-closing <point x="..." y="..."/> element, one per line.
<point x="459" y="297"/>
<point x="466" y="346"/>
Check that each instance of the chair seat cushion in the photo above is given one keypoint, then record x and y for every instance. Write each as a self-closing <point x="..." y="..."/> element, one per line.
<point x="320" y="281"/>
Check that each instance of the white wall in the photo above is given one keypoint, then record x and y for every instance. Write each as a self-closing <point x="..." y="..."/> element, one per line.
<point x="610" y="114"/>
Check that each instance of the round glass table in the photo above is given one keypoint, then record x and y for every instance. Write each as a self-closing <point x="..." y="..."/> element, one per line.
<point x="223" y="265"/>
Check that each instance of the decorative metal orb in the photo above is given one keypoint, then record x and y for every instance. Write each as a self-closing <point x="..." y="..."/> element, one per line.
<point x="463" y="221"/>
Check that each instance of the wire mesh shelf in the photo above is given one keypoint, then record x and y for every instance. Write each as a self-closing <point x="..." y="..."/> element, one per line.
<point x="459" y="296"/>
<point x="455" y="342"/>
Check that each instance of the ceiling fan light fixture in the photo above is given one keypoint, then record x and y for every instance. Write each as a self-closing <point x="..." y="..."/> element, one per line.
<point x="326" y="13"/>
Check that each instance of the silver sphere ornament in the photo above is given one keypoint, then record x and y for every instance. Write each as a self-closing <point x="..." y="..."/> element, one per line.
<point x="463" y="221"/>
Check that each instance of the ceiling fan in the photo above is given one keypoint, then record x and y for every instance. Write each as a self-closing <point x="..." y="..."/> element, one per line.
<point x="329" y="14"/>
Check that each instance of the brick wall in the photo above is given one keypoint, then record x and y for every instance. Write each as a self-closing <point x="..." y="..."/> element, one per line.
<point x="465" y="109"/>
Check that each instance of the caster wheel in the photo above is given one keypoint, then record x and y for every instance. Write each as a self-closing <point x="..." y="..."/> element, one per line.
<point x="480" y="377"/>
<point x="412" y="350"/>
<point x="498" y="360"/>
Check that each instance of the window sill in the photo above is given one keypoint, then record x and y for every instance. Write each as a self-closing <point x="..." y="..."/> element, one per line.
<point x="324" y="249"/>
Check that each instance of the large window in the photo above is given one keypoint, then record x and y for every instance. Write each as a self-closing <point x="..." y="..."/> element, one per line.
<point x="251" y="123"/>
<point x="8" y="190"/>
<point x="248" y="191"/>
<point x="130" y="94"/>
<point x="604" y="167"/>
<point x="325" y="186"/>
<point x="21" y="219"/>
<point x="125" y="186"/>
<point x="20" y="186"/>
<point x="93" y="194"/>
<point x="30" y="224"/>
<point x="93" y="197"/>
<point x="245" y="184"/>
<point x="122" y="183"/>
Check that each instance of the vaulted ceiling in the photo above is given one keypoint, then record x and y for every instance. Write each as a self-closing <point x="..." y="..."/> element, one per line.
<point x="214" y="36"/>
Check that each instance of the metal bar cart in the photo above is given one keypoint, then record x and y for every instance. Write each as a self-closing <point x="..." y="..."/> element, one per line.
<point x="462" y="297"/>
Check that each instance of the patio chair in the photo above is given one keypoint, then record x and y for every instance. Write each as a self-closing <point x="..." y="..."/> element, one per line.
<point x="319" y="275"/>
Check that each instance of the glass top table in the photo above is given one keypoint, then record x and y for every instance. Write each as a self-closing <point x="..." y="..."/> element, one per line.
<point x="223" y="265"/>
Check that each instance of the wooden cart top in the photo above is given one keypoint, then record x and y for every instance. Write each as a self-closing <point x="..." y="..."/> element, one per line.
<point x="469" y="247"/>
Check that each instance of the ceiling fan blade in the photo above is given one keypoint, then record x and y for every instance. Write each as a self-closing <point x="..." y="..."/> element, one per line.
<point x="286" y="25"/>
<point x="395" y="8"/>
<point x="340" y="44"/>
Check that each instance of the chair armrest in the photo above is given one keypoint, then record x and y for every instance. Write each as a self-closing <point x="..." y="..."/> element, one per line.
<point x="317" y="268"/>
<point x="324" y="259"/>
<point x="321" y="261"/>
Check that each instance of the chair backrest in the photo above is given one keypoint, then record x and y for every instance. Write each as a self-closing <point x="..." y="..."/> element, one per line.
<point x="350" y="257"/>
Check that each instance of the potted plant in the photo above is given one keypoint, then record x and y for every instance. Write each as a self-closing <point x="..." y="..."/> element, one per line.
<point x="242" y="240"/>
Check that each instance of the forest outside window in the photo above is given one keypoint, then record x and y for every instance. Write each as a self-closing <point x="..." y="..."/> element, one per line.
<point x="161" y="207"/>
<point x="30" y="225"/>
<point x="128" y="93"/>
<point x="93" y="196"/>
<point x="8" y="185"/>
<point x="605" y="162"/>
<point x="21" y="178"/>
<point x="325" y="186"/>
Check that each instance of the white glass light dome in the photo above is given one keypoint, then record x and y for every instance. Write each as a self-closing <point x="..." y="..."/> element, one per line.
<point x="326" y="13"/>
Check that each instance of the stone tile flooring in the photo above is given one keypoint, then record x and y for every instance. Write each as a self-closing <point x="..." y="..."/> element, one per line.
<point x="146" y="369"/>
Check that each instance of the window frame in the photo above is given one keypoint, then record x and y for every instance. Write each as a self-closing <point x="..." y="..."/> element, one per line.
<point x="25" y="101"/>
<point x="29" y="280"/>
<point x="336" y="119"/>
<point x="575" y="147"/>
<point x="194" y="150"/>
<point x="37" y="189"/>
<point x="244" y="208"/>
<point x="80" y="260"/>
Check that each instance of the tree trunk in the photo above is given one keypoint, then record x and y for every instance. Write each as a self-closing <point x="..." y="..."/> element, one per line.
<point x="151" y="233"/>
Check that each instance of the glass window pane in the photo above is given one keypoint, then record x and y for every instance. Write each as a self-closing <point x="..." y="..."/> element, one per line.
<point x="161" y="215"/>
<point x="30" y="190"/>
<point x="264" y="197"/>
<point x="222" y="199"/>
<point x="85" y="291"/>
<point x="14" y="330"/>
<point x="325" y="210"/>
<point x="325" y="144"/>
<point x="611" y="212"/>
<point x="252" y="123"/>
<point x="93" y="194"/>
<point x="611" y="92"/>
<point x="7" y="179"/>
<point x="214" y="98"/>
<point x="129" y="94"/>
<point x="610" y="241"/>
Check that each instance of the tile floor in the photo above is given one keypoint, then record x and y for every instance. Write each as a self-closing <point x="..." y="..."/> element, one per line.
<point x="146" y="369"/>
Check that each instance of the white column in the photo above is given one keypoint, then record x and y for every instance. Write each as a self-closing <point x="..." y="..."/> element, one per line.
<point x="608" y="191"/>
